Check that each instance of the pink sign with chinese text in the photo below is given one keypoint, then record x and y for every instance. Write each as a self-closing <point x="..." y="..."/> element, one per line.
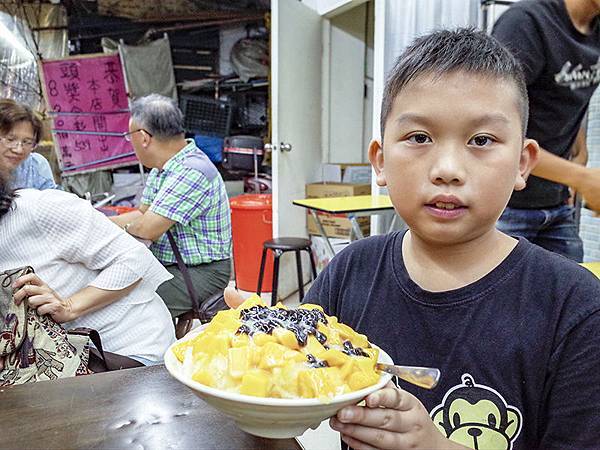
<point x="89" y="104"/>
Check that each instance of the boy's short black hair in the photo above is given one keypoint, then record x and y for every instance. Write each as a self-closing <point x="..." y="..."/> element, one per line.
<point x="446" y="51"/>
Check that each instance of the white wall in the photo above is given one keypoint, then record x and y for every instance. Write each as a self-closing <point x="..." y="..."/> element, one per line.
<point x="345" y="102"/>
<point x="589" y="228"/>
<point x="369" y="80"/>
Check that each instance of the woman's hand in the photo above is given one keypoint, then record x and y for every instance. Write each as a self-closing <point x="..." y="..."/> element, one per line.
<point x="43" y="298"/>
<point x="391" y="419"/>
<point x="232" y="297"/>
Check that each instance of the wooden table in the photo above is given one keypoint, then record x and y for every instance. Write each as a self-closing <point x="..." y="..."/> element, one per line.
<point x="351" y="207"/>
<point x="142" y="408"/>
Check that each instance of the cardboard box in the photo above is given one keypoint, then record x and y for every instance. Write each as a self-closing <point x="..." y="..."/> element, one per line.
<point x="322" y="255"/>
<point x="355" y="173"/>
<point x="321" y="190"/>
<point x="336" y="225"/>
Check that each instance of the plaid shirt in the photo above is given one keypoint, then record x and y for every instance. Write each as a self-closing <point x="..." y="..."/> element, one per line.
<point x="190" y="191"/>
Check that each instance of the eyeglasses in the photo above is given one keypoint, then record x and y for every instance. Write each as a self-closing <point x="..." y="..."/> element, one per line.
<point x="13" y="143"/>
<point x="127" y="135"/>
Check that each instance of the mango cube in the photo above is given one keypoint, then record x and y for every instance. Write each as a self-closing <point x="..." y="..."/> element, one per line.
<point x="212" y="343"/>
<point x="205" y="377"/>
<point x="253" y="300"/>
<point x="313" y="347"/>
<point x="273" y="355"/>
<point x="240" y="340"/>
<point x="360" y="380"/>
<point x="238" y="361"/>
<point x="261" y="339"/>
<point x="335" y="357"/>
<point x="255" y="382"/>
<point x="317" y="382"/>
<point x="286" y="337"/>
<point x="179" y="349"/>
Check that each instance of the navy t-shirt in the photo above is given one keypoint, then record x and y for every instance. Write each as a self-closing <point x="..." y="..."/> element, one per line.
<point x="519" y="349"/>
<point x="562" y="71"/>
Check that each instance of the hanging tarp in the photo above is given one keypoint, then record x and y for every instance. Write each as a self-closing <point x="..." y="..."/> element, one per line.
<point x="148" y="67"/>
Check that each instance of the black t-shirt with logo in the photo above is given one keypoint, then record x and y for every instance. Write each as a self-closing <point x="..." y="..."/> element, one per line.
<point x="562" y="70"/>
<point x="519" y="349"/>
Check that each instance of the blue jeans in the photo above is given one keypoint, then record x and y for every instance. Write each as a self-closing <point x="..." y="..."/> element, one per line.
<point x="553" y="229"/>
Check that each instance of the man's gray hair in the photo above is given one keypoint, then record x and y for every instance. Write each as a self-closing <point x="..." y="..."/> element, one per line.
<point x="159" y="115"/>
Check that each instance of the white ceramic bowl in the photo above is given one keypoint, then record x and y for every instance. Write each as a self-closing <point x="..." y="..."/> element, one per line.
<point x="273" y="418"/>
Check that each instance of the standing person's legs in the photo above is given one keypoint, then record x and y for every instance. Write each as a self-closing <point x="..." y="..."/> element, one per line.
<point x="561" y="233"/>
<point x="521" y="222"/>
<point x="553" y="229"/>
<point x="208" y="279"/>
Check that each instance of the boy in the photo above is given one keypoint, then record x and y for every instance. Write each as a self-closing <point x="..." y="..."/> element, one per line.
<point x="514" y="329"/>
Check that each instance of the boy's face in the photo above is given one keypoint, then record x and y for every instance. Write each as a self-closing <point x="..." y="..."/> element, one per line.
<point x="452" y="155"/>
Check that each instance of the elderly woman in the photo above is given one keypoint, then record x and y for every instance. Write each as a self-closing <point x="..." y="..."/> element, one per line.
<point x="20" y="132"/>
<point x="88" y="272"/>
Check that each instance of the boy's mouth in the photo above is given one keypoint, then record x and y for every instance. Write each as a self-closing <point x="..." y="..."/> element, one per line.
<point x="446" y="201"/>
<point x="442" y="205"/>
<point x="446" y="206"/>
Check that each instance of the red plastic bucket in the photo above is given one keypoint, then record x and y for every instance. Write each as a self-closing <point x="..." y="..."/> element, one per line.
<point x="251" y="225"/>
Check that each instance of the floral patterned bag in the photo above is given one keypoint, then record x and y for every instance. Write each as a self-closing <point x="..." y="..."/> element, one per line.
<point x="34" y="347"/>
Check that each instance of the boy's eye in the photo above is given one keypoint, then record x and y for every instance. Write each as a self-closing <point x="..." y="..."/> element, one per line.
<point x="481" y="141"/>
<point x="419" y="138"/>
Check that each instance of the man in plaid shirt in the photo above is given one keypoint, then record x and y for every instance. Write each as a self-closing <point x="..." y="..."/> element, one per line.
<point x="185" y="194"/>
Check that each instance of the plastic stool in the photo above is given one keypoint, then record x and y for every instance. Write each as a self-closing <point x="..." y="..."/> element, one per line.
<point x="279" y="246"/>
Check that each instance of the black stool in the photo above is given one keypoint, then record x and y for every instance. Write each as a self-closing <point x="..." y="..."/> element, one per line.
<point x="279" y="246"/>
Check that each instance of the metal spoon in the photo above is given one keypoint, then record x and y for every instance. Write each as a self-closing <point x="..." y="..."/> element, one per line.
<point x="425" y="377"/>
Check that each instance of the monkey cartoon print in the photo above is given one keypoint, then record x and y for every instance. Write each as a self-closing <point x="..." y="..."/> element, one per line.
<point x="477" y="416"/>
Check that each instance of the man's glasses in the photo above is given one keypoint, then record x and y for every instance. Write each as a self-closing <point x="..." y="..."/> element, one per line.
<point x="127" y="135"/>
<point x="13" y="143"/>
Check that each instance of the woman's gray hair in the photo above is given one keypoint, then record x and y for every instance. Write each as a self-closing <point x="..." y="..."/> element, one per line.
<point x="159" y="115"/>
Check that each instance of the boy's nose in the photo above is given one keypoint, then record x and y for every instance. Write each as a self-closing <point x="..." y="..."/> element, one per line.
<point x="448" y="167"/>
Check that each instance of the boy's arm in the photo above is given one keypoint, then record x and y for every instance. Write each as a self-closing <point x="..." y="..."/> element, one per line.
<point x="391" y="419"/>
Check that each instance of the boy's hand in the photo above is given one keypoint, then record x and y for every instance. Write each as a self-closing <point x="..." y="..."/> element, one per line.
<point x="392" y="419"/>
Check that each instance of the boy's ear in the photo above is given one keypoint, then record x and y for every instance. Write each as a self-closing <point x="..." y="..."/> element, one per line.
<point x="529" y="158"/>
<point x="376" y="158"/>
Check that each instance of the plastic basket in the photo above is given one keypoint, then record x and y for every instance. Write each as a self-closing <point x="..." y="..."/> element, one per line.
<point x="211" y="146"/>
<point x="206" y="116"/>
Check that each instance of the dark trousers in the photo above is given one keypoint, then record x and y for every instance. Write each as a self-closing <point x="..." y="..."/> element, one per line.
<point x="208" y="279"/>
